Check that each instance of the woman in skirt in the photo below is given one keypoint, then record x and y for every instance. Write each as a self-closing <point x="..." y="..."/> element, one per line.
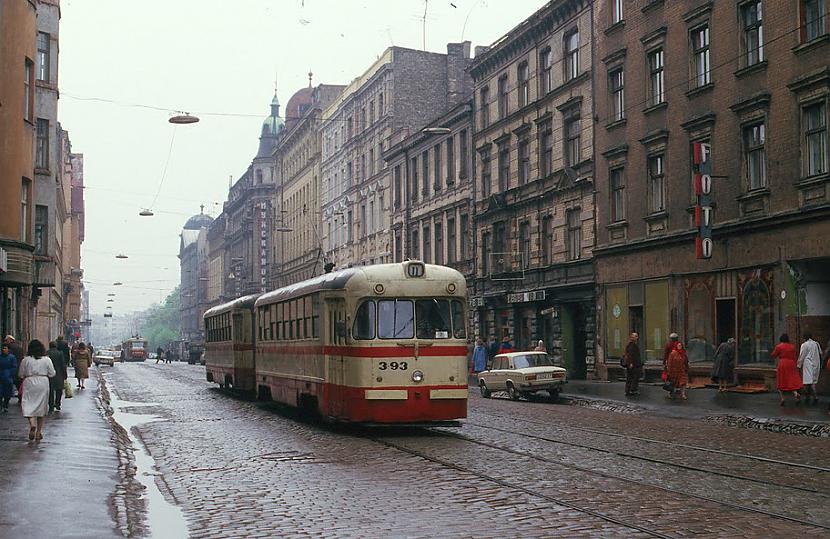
<point x="788" y="377"/>
<point x="81" y="360"/>
<point x="35" y="370"/>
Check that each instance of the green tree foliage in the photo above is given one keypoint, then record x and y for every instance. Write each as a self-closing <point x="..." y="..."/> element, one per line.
<point x="161" y="322"/>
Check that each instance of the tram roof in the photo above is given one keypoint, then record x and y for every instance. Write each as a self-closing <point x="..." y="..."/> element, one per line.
<point x="362" y="277"/>
<point x="245" y="302"/>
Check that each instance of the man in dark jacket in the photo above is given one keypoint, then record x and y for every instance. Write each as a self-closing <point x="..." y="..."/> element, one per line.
<point x="17" y="351"/>
<point x="56" y="382"/>
<point x="493" y="348"/>
<point x="64" y="348"/>
<point x="633" y="365"/>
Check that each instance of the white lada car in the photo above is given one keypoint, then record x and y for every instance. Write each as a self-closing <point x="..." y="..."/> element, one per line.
<point x="522" y="374"/>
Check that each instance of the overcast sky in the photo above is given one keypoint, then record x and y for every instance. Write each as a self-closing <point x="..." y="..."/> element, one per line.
<point x="217" y="59"/>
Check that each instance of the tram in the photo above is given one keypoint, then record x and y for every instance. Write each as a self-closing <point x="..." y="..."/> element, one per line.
<point x="382" y="344"/>
<point x="229" y="344"/>
<point x="134" y="349"/>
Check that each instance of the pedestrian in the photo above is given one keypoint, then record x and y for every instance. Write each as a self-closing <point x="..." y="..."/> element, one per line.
<point x="81" y="358"/>
<point x="677" y="370"/>
<point x="63" y="347"/>
<point x="17" y="351"/>
<point x="723" y="368"/>
<point x="56" y="382"/>
<point x="633" y="365"/>
<point x="809" y="361"/>
<point x="8" y="372"/>
<point x="669" y="348"/>
<point x="159" y="354"/>
<point x="494" y="347"/>
<point x="479" y="356"/>
<point x="506" y="345"/>
<point x="36" y="369"/>
<point x="540" y="347"/>
<point x="788" y="378"/>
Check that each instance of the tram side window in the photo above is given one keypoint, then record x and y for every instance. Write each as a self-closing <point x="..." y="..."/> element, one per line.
<point x="458" y="324"/>
<point x="364" y="321"/>
<point x="315" y="317"/>
<point x="272" y="322"/>
<point x="396" y="319"/>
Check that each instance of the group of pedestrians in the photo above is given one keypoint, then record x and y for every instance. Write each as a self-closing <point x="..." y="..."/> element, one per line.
<point x="39" y="377"/>
<point x="483" y="354"/>
<point x="808" y="360"/>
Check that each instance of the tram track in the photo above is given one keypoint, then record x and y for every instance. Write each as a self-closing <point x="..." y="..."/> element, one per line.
<point x="583" y="469"/>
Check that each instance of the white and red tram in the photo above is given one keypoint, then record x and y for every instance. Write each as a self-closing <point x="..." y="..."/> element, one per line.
<point x="229" y="344"/>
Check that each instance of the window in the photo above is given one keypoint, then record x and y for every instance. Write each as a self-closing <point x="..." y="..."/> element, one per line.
<point x="812" y="19"/>
<point x="371" y="228"/>
<point x="504" y="167"/>
<point x="413" y="176"/>
<point x="815" y="138"/>
<point x="572" y="55"/>
<point x="350" y="224"/>
<point x="616" y="11"/>
<point x="439" y="243"/>
<point x="485" y="253"/>
<point x="364" y="224"/>
<point x="503" y="89"/>
<point x="364" y="321"/>
<point x="28" y="90"/>
<point x="754" y="138"/>
<point x="24" y="209"/>
<point x="655" y="80"/>
<point x="545" y="77"/>
<point x="464" y="231"/>
<point x="617" y="186"/>
<point x="656" y="184"/>
<point x="41" y="230"/>
<point x="462" y="154"/>
<point x="363" y="119"/>
<point x="485" y="173"/>
<point x="524" y="244"/>
<point x="42" y="145"/>
<point x="371" y="112"/>
<point x="450" y="162"/>
<point x="396" y="319"/>
<point x="436" y="163"/>
<point x="616" y="84"/>
<point x="524" y="84"/>
<point x="398" y="247"/>
<point x="753" y="32"/>
<point x="380" y="105"/>
<point x="414" y="250"/>
<point x="524" y="161"/>
<point x="432" y="318"/>
<point x="396" y="173"/>
<point x="546" y="155"/>
<point x="362" y="166"/>
<point x="451" y="242"/>
<point x="572" y="142"/>
<point x="499" y="245"/>
<point x="371" y="161"/>
<point x="547" y="240"/>
<point x="43" y="56"/>
<point x="484" y="104"/>
<point x="574" y="235"/>
<point x="425" y="173"/>
<point x="349" y="128"/>
<point x="427" y="258"/>
<point x="700" y="55"/>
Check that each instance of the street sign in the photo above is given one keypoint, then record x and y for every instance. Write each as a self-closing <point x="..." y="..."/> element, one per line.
<point x="703" y="190"/>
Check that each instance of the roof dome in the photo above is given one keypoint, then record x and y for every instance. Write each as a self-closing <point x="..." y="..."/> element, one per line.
<point x="198" y="221"/>
<point x="273" y="124"/>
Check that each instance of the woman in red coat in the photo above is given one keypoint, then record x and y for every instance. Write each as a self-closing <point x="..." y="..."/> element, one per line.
<point x="789" y="379"/>
<point x="677" y="369"/>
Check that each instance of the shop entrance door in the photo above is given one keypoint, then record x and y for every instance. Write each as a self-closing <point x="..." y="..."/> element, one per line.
<point x="726" y="320"/>
<point x="573" y="340"/>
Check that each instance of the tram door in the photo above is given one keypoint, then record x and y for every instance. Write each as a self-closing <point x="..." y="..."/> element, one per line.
<point x="335" y="340"/>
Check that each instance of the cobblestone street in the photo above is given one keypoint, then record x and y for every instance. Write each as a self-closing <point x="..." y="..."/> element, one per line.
<point x="244" y="469"/>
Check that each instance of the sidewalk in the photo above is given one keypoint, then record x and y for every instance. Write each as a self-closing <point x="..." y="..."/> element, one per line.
<point x="703" y="402"/>
<point x="62" y="485"/>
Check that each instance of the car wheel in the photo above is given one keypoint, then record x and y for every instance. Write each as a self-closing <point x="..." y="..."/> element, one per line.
<point x="485" y="391"/>
<point x="554" y="395"/>
<point x="512" y="392"/>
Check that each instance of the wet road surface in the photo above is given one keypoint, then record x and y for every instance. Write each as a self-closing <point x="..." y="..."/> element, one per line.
<point x="239" y="468"/>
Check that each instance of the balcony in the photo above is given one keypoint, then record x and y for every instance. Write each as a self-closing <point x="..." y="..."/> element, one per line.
<point x="43" y="272"/>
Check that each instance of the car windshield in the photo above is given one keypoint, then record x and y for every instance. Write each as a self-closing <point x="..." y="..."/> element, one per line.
<point x="532" y="360"/>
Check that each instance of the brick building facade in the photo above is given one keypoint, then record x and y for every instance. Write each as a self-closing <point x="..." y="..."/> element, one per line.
<point x="534" y="190"/>
<point x="750" y="81"/>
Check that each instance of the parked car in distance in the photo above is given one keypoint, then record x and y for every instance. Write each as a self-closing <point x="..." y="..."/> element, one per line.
<point x="522" y="374"/>
<point x="104" y="357"/>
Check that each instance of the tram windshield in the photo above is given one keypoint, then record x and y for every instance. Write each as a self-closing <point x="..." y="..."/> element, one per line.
<point x="532" y="360"/>
<point x="407" y="319"/>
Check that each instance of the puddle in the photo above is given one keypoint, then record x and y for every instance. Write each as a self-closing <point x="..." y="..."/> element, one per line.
<point x="164" y="519"/>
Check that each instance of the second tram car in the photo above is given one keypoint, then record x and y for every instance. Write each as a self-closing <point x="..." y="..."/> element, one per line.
<point x="382" y="344"/>
<point x="134" y="349"/>
<point x="229" y="344"/>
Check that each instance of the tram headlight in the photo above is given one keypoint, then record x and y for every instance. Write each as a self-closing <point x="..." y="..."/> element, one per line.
<point x="417" y="377"/>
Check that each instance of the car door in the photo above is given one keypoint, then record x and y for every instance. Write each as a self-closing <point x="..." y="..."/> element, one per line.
<point x="498" y="375"/>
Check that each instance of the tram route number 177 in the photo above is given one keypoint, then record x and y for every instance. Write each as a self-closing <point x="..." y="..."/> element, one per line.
<point x="392" y="365"/>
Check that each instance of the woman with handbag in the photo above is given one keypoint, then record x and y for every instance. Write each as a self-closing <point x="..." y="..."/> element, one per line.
<point x="677" y="370"/>
<point x="787" y="375"/>
<point x="81" y="359"/>
<point x="36" y="369"/>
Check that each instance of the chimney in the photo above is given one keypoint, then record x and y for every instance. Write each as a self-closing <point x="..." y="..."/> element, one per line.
<point x="459" y="82"/>
<point x="481" y="49"/>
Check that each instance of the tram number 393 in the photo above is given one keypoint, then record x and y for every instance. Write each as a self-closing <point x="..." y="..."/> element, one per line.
<point x="392" y="365"/>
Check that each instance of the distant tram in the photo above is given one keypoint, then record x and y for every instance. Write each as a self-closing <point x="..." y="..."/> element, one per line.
<point x="134" y="349"/>
<point x="383" y="344"/>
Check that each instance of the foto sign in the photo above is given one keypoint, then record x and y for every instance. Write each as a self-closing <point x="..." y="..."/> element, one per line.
<point x="703" y="191"/>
